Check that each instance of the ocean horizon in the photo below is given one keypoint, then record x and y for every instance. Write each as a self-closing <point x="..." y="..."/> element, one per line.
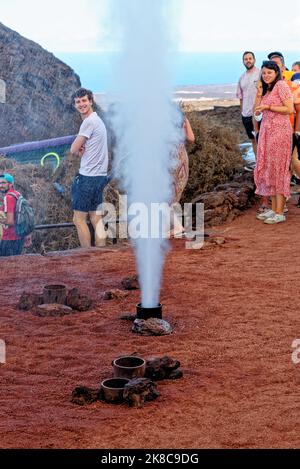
<point x="95" y="69"/>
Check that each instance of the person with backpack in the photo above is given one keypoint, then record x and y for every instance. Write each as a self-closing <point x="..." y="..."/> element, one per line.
<point x="18" y="220"/>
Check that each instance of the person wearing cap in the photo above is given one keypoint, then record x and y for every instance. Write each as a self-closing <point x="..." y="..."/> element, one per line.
<point x="246" y="92"/>
<point x="279" y="59"/>
<point x="11" y="244"/>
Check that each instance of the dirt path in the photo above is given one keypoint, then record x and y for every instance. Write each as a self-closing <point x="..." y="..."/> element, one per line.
<point x="235" y="312"/>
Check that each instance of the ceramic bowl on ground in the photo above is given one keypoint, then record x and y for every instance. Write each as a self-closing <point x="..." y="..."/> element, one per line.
<point x="129" y="367"/>
<point x="113" y="389"/>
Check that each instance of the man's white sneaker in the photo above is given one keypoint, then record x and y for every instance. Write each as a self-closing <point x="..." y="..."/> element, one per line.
<point x="275" y="219"/>
<point x="264" y="215"/>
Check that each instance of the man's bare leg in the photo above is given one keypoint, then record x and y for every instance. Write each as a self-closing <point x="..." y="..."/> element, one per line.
<point x="100" y="233"/>
<point x="83" y="231"/>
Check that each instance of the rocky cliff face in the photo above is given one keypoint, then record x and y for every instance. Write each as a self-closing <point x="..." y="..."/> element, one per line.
<point x="38" y="92"/>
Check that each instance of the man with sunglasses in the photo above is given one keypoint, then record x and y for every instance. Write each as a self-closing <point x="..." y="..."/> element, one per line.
<point x="11" y="244"/>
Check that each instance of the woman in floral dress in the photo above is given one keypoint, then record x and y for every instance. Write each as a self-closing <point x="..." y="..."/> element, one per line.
<point x="181" y="170"/>
<point x="180" y="175"/>
<point x="272" y="175"/>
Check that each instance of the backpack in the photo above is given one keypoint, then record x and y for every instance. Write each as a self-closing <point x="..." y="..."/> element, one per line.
<point x="24" y="216"/>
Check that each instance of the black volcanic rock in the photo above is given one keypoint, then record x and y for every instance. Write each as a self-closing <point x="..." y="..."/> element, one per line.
<point x="38" y="92"/>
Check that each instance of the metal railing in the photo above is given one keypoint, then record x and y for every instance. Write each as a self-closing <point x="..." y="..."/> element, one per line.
<point x="69" y="225"/>
<point x="37" y="145"/>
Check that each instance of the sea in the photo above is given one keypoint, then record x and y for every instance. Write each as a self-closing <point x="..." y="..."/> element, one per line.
<point x="187" y="69"/>
<point x="195" y="76"/>
<point x="200" y="77"/>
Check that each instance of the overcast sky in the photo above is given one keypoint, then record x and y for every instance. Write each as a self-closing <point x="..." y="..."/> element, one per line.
<point x="201" y="25"/>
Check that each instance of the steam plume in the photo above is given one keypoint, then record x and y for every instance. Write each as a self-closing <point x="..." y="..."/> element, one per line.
<point x="145" y="125"/>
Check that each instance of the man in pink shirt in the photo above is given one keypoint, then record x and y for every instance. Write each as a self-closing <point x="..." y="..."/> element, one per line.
<point x="246" y="92"/>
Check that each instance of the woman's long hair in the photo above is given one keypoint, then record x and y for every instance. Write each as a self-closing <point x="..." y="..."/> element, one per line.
<point x="271" y="65"/>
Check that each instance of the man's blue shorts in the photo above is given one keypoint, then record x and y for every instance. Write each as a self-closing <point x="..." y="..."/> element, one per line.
<point x="11" y="248"/>
<point x="86" y="192"/>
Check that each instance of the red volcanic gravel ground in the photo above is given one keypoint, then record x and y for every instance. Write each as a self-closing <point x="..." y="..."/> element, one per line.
<point x="235" y="313"/>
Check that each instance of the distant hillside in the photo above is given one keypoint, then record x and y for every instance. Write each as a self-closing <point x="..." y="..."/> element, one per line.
<point x="38" y="91"/>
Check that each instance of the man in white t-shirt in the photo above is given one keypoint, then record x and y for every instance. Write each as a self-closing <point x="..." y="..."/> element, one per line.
<point x="87" y="188"/>
<point x="246" y="92"/>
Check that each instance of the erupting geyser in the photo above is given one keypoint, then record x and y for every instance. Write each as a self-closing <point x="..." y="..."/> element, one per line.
<point x="145" y="126"/>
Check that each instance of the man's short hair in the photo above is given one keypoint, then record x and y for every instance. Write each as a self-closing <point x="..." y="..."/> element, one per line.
<point x="248" y="52"/>
<point x="81" y="92"/>
<point x="297" y="64"/>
